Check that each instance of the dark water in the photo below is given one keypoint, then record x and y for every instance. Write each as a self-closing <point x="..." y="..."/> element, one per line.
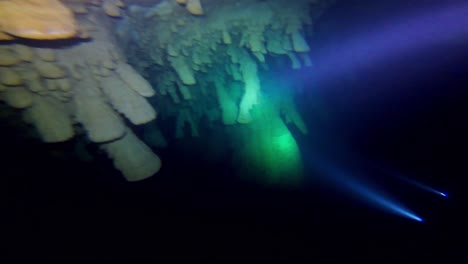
<point x="57" y="207"/>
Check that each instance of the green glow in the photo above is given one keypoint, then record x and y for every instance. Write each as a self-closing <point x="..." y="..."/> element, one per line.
<point x="267" y="150"/>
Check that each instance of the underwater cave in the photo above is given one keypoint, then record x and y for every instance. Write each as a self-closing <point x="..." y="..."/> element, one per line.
<point x="233" y="129"/>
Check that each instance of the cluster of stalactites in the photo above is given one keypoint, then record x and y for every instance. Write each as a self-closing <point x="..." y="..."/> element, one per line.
<point x="229" y="45"/>
<point x="83" y="84"/>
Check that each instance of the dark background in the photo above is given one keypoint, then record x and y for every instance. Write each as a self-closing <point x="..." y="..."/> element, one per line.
<point x="57" y="207"/>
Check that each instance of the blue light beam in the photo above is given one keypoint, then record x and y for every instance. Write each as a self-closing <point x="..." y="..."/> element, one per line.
<point x="420" y="185"/>
<point x="401" y="36"/>
<point x="381" y="200"/>
<point x="365" y="192"/>
<point x="391" y="172"/>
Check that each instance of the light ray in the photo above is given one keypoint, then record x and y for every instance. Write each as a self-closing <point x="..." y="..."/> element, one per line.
<point x="364" y="191"/>
<point x="420" y="185"/>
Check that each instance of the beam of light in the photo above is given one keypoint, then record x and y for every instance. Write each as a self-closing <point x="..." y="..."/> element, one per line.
<point x="399" y="176"/>
<point x="399" y="37"/>
<point x="382" y="201"/>
<point x="420" y="185"/>
<point x="365" y="192"/>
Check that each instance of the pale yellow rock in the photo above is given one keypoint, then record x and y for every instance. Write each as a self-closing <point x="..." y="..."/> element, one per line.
<point x="17" y="97"/>
<point x="45" y="54"/>
<point x="84" y="34"/>
<point x="134" y="80"/>
<point x="195" y="7"/>
<point x="5" y="36"/>
<point x="31" y="79"/>
<point x="105" y="72"/>
<point x="119" y="3"/>
<point x="50" y="119"/>
<point x="115" y="55"/>
<point x="126" y="101"/>
<point x="75" y="72"/>
<point x="92" y="60"/>
<point x="9" y="77"/>
<point x="26" y="71"/>
<point x="108" y="63"/>
<point x="111" y="9"/>
<point x="59" y="96"/>
<point x="51" y="84"/>
<point x="102" y="71"/>
<point x="182" y="1"/>
<point x="24" y="52"/>
<point x="37" y="19"/>
<point x="86" y="27"/>
<point x="49" y="70"/>
<point x="183" y="70"/>
<point x="101" y="123"/>
<point x="35" y="85"/>
<point x="68" y="94"/>
<point x="95" y="70"/>
<point x="8" y="57"/>
<point x="64" y="84"/>
<point x="133" y="157"/>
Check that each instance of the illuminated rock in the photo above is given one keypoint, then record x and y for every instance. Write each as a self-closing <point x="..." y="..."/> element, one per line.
<point x="210" y="67"/>
<point x="37" y="19"/>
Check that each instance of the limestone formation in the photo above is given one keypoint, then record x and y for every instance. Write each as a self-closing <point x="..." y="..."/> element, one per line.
<point x="36" y="19"/>
<point x="132" y="157"/>
<point x="50" y="118"/>
<point x="189" y="65"/>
